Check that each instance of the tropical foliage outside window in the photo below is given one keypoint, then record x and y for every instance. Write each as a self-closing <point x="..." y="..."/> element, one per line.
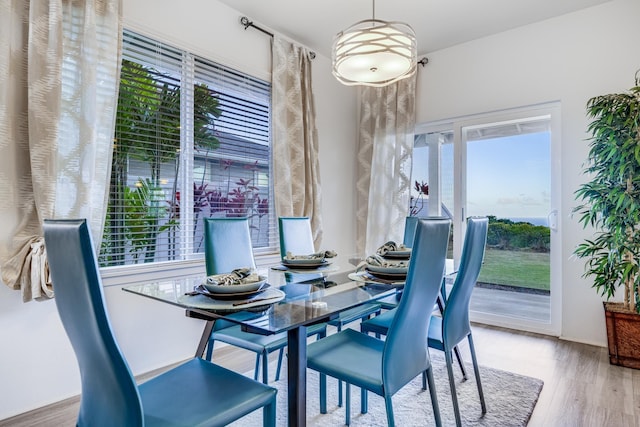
<point x="191" y="141"/>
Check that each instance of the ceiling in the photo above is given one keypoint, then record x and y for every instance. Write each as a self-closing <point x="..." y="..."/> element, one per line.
<point x="438" y="23"/>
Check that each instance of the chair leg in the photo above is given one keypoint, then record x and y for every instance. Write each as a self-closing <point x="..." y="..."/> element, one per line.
<point x="279" y="368"/>
<point x="323" y="393"/>
<point x="347" y="399"/>
<point x="434" y="397"/>
<point x="456" y="351"/>
<point x="389" y="405"/>
<point x="210" y="350"/>
<point x="452" y="386"/>
<point x="364" y="401"/>
<point x="265" y="367"/>
<point x="269" y="414"/>
<point x="476" y="371"/>
<point x="339" y="328"/>
<point x="257" y="368"/>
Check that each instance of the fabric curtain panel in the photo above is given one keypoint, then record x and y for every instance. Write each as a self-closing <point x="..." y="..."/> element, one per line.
<point x="385" y="148"/>
<point x="59" y="73"/>
<point x="296" y="168"/>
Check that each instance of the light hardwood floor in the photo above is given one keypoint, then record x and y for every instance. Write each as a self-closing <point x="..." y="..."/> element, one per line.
<point x="581" y="388"/>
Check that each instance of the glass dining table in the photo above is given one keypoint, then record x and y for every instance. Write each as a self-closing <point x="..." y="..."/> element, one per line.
<point x="287" y="306"/>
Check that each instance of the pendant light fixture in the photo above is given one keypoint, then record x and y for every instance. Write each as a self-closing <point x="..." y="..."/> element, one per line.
<point x="374" y="52"/>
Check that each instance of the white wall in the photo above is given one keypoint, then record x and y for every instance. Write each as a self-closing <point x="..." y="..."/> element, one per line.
<point x="37" y="365"/>
<point x="568" y="59"/>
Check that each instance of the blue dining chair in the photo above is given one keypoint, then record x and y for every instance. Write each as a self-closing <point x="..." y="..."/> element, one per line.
<point x="296" y="237"/>
<point x="446" y="332"/>
<point x="384" y="367"/>
<point x="380" y="324"/>
<point x="228" y="246"/>
<point x="196" y="392"/>
<point x="410" y="224"/>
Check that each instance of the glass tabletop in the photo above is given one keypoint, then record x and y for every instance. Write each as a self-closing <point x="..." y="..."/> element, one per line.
<point x="296" y="303"/>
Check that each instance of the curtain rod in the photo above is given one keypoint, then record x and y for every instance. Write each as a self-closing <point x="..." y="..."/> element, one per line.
<point x="246" y="23"/>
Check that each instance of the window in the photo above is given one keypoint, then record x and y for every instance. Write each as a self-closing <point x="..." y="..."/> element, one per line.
<point x="192" y="140"/>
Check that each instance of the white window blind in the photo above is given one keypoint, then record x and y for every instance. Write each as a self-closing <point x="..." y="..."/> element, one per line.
<point x="191" y="141"/>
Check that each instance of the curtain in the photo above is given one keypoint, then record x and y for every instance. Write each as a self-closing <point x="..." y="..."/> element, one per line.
<point x="295" y="137"/>
<point x="59" y="73"/>
<point x="385" y="147"/>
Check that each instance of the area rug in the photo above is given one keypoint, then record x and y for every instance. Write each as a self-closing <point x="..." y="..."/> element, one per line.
<point x="510" y="400"/>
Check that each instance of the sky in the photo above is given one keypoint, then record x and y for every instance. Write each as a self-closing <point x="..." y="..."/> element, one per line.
<point x="508" y="177"/>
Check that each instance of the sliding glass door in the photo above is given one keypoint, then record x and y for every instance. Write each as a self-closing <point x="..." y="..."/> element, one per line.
<point x="503" y="166"/>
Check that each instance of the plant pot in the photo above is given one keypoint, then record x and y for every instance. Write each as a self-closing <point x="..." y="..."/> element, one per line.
<point x="623" y="335"/>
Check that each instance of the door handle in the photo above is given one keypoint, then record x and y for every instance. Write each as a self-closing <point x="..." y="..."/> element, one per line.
<point x="552" y="220"/>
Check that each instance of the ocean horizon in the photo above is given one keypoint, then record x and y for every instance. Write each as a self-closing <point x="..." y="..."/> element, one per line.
<point x="531" y="220"/>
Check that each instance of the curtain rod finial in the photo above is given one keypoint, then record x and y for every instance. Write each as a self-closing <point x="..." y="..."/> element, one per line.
<point x="246" y="23"/>
<point x="424" y="61"/>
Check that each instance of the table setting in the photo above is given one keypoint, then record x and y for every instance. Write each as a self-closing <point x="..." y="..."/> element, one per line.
<point x="307" y="263"/>
<point x="241" y="289"/>
<point x="388" y="265"/>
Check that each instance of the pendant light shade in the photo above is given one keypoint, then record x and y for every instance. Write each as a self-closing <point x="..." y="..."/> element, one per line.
<point x="374" y="53"/>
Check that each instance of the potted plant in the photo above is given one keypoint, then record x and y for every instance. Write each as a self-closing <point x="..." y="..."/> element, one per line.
<point x="611" y="205"/>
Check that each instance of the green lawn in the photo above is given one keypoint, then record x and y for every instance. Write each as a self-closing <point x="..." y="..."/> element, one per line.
<point x="516" y="268"/>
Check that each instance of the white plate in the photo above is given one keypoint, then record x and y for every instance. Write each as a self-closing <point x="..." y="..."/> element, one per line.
<point x="366" y="277"/>
<point x="231" y="295"/>
<point x="262" y="301"/>
<point x="296" y="261"/>
<point x="387" y="270"/>
<point x="305" y="263"/>
<point x="234" y="289"/>
<point x="402" y="254"/>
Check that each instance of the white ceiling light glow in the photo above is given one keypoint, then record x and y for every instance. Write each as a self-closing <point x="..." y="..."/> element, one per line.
<point x="374" y="53"/>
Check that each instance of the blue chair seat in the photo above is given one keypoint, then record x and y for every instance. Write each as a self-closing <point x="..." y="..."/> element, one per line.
<point x="350" y="356"/>
<point x="234" y="335"/>
<point x="166" y="403"/>
<point x="262" y="345"/>
<point x="379" y="325"/>
<point x="435" y="339"/>
<point x="361" y="312"/>
<point x="391" y="301"/>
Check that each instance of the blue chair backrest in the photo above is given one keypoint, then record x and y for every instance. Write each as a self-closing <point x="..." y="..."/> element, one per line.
<point x="455" y="319"/>
<point x="109" y="392"/>
<point x="227" y="245"/>
<point x="410" y="224"/>
<point x="295" y="236"/>
<point x="405" y="351"/>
